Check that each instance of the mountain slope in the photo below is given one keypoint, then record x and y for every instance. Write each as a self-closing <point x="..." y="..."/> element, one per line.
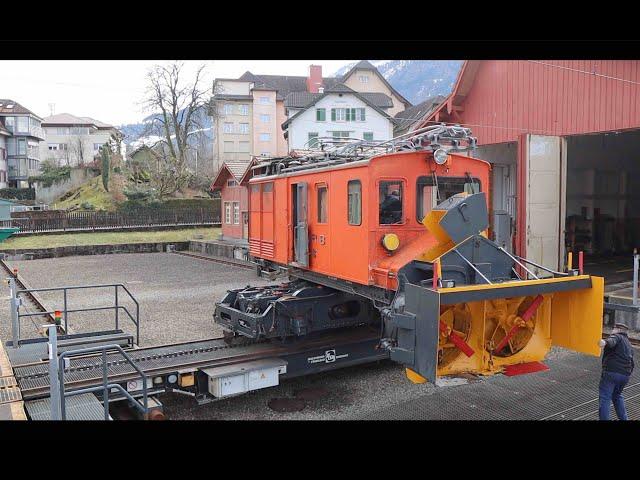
<point x="416" y="80"/>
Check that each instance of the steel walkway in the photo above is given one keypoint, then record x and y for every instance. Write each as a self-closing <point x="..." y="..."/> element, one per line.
<point x="568" y="391"/>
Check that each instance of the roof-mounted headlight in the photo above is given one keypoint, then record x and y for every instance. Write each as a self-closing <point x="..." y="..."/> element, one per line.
<point x="440" y="156"/>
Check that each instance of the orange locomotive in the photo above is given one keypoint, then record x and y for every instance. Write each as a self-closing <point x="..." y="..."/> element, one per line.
<point x="393" y="235"/>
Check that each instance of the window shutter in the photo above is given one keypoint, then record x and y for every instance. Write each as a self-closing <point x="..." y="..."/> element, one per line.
<point x="363" y="110"/>
<point x="333" y="114"/>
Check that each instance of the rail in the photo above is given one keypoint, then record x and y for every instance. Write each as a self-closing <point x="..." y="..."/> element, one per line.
<point x="106" y="387"/>
<point x="116" y="307"/>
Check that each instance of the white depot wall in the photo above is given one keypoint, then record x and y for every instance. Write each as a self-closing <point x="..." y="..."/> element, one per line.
<point x="305" y="123"/>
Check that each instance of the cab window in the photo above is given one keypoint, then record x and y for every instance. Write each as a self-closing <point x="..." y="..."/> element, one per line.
<point x="428" y="196"/>
<point x="322" y="204"/>
<point x="354" y="202"/>
<point x="390" y="202"/>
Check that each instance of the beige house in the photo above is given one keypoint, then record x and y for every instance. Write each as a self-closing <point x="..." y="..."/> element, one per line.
<point x="71" y="140"/>
<point x="249" y="112"/>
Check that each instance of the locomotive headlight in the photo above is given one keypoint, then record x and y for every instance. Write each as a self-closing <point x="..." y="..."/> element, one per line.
<point x="390" y="242"/>
<point x="440" y="156"/>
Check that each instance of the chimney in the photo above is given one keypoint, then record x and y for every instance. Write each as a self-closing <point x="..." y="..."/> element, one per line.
<point x="314" y="81"/>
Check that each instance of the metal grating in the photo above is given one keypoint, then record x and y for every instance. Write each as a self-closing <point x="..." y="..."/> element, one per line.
<point x="78" y="407"/>
<point x="569" y="391"/>
<point x="10" y="394"/>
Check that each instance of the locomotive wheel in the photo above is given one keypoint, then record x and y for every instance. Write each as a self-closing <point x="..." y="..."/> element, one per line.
<point x="228" y="336"/>
<point x="504" y="317"/>
<point x="457" y="318"/>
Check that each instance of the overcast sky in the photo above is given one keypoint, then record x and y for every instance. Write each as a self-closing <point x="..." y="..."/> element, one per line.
<point x="111" y="91"/>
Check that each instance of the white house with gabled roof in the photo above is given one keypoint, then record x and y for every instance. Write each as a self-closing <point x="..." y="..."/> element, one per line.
<point x="338" y="112"/>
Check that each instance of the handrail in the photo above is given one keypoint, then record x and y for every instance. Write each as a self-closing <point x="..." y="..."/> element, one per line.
<point x="116" y="307"/>
<point x="105" y="385"/>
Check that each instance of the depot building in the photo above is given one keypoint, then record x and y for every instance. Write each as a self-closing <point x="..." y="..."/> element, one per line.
<point x="564" y="141"/>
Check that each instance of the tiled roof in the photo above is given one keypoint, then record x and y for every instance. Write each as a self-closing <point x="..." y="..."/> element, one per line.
<point x="237" y="167"/>
<point x="69" y="119"/>
<point x="15" y="107"/>
<point x="302" y="99"/>
<point x="413" y="114"/>
<point x="366" y="65"/>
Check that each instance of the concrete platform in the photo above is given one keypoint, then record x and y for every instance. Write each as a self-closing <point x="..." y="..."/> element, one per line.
<point x="568" y="391"/>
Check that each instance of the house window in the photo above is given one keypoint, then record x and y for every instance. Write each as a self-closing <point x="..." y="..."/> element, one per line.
<point x="243" y="147"/>
<point x="228" y="147"/>
<point x="265" y="137"/>
<point x="360" y="115"/>
<point x="228" y="108"/>
<point x="265" y="118"/>
<point x="227" y="127"/>
<point x="390" y="202"/>
<point x="338" y="115"/>
<point x="10" y="123"/>
<point x="368" y="136"/>
<point x="232" y="183"/>
<point x="354" y="202"/>
<point x="340" y="134"/>
<point x="53" y="146"/>
<point x="321" y="114"/>
<point x="265" y="100"/>
<point x="96" y="146"/>
<point x="244" y="109"/>
<point x="313" y="140"/>
<point x="266" y="154"/>
<point x="364" y="78"/>
<point x="227" y="213"/>
<point x="22" y="125"/>
<point x="22" y="146"/>
<point x="322" y="204"/>
<point x="244" y="128"/>
<point x="236" y="213"/>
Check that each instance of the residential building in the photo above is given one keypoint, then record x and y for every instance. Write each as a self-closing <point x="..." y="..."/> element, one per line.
<point x="338" y="112"/>
<point x="249" y="111"/>
<point x="71" y="140"/>
<point x="563" y="138"/>
<point x="23" y="153"/>
<point x="4" y="167"/>
<point x="232" y="180"/>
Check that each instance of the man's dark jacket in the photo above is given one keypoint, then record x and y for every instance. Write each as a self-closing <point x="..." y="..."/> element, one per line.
<point x="618" y="354"/>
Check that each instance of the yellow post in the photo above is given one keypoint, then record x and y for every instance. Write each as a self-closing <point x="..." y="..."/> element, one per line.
<point x="569" y="261"/>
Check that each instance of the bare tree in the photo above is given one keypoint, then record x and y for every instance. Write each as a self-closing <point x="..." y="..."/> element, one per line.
<point x="77" y="151"/>
<point x="176" y="105"/>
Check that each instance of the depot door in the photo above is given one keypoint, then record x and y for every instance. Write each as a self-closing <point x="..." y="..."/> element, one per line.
<point x="542" y="171"/>
<point x="300" y="225"/>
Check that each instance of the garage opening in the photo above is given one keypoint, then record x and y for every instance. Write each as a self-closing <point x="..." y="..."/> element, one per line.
<point x="503" y="159"/>
<point x="603" y="202"/>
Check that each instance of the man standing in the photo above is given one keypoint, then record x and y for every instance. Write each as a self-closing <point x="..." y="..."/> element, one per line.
<point x="617" y="365"/>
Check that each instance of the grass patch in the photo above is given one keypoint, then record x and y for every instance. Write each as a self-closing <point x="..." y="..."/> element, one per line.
<point x="91" y="192"/>
<point x="107" y="238"/>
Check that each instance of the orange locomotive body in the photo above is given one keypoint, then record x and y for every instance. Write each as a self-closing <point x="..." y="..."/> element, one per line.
<point x="344" y="217"/>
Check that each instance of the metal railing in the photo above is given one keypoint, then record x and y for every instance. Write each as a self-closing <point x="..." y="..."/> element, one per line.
<point x="57" y="373"/>
<point x="106" y="387"/>
<point x="116" y="307"/>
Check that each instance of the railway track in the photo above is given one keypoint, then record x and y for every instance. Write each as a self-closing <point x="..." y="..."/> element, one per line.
<point x="33" y="303"/>
<point x="216" y="260"/>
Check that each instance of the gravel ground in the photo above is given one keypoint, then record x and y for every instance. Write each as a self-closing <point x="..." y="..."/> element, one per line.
<point x="176" y="296"/>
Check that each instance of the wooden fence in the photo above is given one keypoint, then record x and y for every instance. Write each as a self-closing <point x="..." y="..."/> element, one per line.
<point x="61" y="221"/>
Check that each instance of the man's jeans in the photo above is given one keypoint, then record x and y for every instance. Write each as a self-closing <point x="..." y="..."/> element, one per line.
<point x="611" y="386"/>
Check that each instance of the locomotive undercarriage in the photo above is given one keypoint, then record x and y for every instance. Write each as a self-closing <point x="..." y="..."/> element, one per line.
<point x="292" y="309"/>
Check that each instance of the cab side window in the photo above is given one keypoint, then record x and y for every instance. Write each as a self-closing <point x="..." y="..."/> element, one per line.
<point x="390" y="202"/>
<point x="354" y="202"/>
<point x="429" y="195"/>
<point x="322" y="204"/>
